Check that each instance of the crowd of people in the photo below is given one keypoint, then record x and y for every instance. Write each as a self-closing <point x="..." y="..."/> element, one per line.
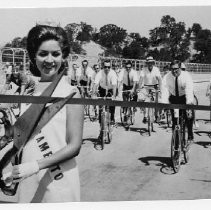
<point x="48" y="49"/>
<point x="123" y="82"/>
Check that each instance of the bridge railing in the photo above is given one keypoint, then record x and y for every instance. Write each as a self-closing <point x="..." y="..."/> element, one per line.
<point x="138" y="64"/>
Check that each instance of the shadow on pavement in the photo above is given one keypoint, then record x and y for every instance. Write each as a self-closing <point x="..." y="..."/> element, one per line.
<point x="142" y="131"/>
<point x="205" y="144"/>
<point x="198" y="180"/>
<point x="164" y="162"/>
<point x="208" y="133"/>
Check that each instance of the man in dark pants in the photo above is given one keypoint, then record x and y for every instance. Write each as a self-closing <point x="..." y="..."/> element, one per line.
<point x="177" y="88"/>
<point x="106" y="83"/>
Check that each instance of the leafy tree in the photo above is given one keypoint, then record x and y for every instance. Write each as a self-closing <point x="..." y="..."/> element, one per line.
<point x="17" y="42"/>
<point x="86" y="32"/>
<point x="172" y="37"/>
<point x="196" y="28"/>
<point x="72" y="31"/>
<point x="111" y="36"/>
<point x="203" y="46"/>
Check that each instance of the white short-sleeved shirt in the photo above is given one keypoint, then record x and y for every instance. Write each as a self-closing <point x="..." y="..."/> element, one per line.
<point x="150" y="78"/>
<point x="85" y="74"/>
<point x="132" y="76"/>
<point x="58" y="183"/>
<point x="185" y="86"/>
<point x="100" y="79"/>
<point x="118" y="74"/>
<point x="72" y="74"/>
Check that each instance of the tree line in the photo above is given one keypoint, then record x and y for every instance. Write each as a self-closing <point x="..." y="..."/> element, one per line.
<point x="171" y="40"/>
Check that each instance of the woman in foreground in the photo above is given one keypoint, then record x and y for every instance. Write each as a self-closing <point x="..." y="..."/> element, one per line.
<point x="48" y="172"/>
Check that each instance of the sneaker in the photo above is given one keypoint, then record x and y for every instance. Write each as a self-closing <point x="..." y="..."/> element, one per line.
<point x="144" y="120"/>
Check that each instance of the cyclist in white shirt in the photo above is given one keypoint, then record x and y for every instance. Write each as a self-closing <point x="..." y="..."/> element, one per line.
<point x="106" y="84"/>
<point x="150" y="76"/>
<point x="118" y="72"/>
<point x="85" y="77"/>
<point x="71" y="74"/>
<point x="178" y="89"/>
<point x="129" y="81"/>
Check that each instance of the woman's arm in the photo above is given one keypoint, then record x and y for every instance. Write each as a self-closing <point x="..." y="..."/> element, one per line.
<point x="74" y="132"/>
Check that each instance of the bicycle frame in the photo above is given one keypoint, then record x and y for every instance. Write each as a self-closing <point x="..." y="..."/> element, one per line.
<point x="179" y="143"/>
<point x="150" y="113"/>
<point x="105" y="126"/>
<point x="128" y="112"/>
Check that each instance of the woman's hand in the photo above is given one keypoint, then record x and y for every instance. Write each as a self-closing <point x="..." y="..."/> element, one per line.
<point x="25" y="170"/>
<point x="20" y="172"/>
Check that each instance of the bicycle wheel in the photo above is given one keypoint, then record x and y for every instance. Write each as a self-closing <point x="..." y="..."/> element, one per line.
<point x="102" y="131"/>
<point x="185" y="143"/>
<point x="176" y="150"/>
<point x="195" y="102"/>
<point x="150" y="120"/>
<point x="168" y="118"/>
<point x="86" y="110"/>
<point x="93" y="113"/>
<point x="122" y="115"/>
<point x="132" y="116"/>
<point x="109" y="129"/>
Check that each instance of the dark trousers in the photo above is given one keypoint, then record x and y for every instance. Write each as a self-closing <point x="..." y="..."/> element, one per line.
<point x="126" y="95"/>
<point x="189" y="122"/>
<point x="73" y="82"/>
<point x="83" y="91"/>
<point x="102" y="93"/>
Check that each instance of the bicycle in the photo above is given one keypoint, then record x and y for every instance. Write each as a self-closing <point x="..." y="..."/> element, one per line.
<point x="127" y="114"/>
<point x="179" y="143"/>
<point x="7" y="119"/>
<point x="168" y="118"/>
<point x="151" y="94"/>
<point x="84" y="94"/>
<point x="105" y="124"/>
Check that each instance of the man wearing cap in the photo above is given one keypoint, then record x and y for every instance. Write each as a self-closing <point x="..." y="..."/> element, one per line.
<point x="178" y="89"/>
<point x="149" y="77"/>
<point x="8" y="68"/>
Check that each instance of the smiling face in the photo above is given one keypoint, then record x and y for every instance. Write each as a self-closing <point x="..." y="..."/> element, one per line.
<point x="49" y="59"/>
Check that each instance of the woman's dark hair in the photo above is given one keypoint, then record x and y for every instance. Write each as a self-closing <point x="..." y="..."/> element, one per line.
<point x="40" y="33"/>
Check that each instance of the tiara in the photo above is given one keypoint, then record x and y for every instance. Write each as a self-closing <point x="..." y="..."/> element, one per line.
<point x="48" y="23"/>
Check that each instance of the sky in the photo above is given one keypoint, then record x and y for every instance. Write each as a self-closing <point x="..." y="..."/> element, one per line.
<point x="136" y="17"/>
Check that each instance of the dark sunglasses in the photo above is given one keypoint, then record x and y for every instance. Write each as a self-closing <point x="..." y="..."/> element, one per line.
<point x="107" y="67"/>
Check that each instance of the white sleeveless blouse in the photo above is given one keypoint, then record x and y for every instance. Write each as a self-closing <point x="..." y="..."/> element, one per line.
<point x="59" y="183"/>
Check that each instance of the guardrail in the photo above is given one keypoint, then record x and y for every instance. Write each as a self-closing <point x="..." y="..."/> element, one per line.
<point x="138" y="64"/>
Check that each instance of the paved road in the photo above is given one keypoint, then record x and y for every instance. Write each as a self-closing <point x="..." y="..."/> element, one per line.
<point x="138" y="167"/>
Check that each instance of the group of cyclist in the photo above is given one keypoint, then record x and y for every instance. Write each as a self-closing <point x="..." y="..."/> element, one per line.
<point x="120" y="82"/>
<point x="116" y="81"/>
